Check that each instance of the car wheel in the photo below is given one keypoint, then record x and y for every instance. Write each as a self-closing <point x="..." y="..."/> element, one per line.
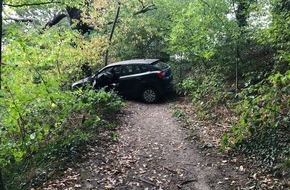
<point x="149" y="95"/>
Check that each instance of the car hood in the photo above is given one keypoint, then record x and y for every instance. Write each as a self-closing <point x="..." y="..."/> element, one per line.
<point x="82" y="82"/>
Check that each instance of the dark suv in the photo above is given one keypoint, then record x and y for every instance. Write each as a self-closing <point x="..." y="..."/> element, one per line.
<point x="148" y="79"/>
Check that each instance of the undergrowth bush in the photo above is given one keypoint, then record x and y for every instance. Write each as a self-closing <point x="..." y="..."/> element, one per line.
<point x="206" y="92"/>
<point x="64" y="119"/>
<point x="263" y="130"/>
<point x="37" y="108"/>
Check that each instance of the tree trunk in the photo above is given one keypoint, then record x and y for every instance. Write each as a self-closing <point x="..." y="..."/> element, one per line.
<point x="238" y="59"/>
<point x="1" y="8"/>
<point x="1" y="181"/>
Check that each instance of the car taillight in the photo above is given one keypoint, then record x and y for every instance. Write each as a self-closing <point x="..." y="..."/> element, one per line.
<point x="160" y="74"/>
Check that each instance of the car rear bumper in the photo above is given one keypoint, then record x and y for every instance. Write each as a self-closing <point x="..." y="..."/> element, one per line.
<point x="166" y="87"/>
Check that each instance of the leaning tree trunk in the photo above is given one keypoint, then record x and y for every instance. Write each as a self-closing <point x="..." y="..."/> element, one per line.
<point x="112" y="32"/>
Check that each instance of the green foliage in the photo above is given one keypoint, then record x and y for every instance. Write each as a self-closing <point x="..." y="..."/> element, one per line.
<point x="263" y="127"/>
<point x="216" y="41"/>
<point x="140" y="35"/>
<point x="178" y="113"/>
<point x="199" y="28"/>
<point x="100" y="103"/>
<point x="206" y="92"/>
<point x="30" y="125"/>
<point x="40" y="118"/>
<point x="255" y="50"/>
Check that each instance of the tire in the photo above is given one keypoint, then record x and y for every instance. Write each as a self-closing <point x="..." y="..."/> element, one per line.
<point x="149" y="95"/>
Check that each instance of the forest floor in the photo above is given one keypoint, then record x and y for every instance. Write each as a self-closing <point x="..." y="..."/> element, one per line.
<point x="153" y="150"/>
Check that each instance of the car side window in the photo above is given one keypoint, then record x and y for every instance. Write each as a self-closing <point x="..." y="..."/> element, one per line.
<point x="117" y="70"/>
<point x="135" y="69"/>
<point x="130" y="70"/>
<point x="145" y="68"/>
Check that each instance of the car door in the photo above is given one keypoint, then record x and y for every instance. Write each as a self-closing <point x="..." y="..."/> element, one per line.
<point x="129" y="81"/>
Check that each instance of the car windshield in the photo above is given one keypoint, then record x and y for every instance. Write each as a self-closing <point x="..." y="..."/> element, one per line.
<point x="115" y="70"/>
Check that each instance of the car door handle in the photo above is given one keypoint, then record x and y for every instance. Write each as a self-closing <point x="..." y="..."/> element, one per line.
<point x="138" y="78"/>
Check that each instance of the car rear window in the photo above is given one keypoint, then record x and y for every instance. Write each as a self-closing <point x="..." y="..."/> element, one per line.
<point x="160" y="65"/>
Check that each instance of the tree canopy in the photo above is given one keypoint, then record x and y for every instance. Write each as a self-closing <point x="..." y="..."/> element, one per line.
<point x="229" y="52"/>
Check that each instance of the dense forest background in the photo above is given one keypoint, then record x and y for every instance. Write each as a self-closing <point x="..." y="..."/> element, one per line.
<point x="227" y="55"/>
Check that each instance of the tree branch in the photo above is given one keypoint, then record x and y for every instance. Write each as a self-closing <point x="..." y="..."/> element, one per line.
<point x="142" y="3"/>
<point x="19" y="19"/>
<point x="145" y="9"/>
<point x="31" y="4"/>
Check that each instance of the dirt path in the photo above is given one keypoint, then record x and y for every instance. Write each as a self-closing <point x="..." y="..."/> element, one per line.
<point x="152" y="152"/>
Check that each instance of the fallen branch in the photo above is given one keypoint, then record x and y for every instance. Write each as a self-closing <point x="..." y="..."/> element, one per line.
<point x="147" y="181"/>
<point x="222" y="125"/>
<point x="168" y="169"/>
<point x="186" y="170"/>
<point x="188" y="181"/>
<point x="209" y="123"/>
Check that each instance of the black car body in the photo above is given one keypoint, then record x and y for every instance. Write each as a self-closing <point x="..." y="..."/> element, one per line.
<point x="148" y="79"/>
